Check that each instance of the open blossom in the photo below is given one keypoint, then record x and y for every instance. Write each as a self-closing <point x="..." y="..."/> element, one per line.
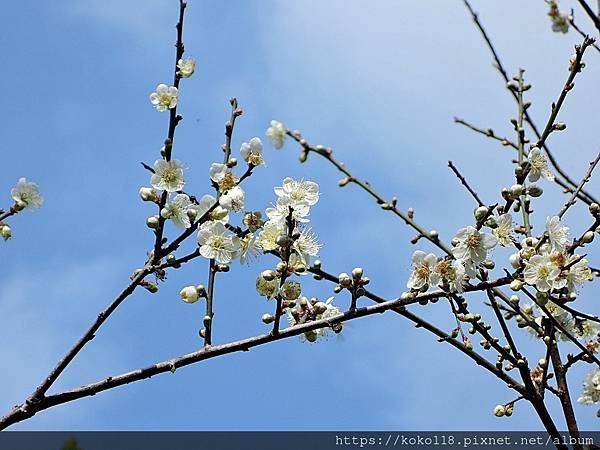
<point x="560" y="22"/>
<point x="504" y="230"/>
<point x="539" y="166"/>
<point x="249" y="248"/>
<point x="177" y="211"/>
<point x="223" y="176"/>
<point x="472" y="245"/>
<point x="423" y="273"/>
<point x="164" y="98"/>
<point x="168" y="175"/>
<point x="268" y="236"/>
<point x="186" y="67"/>
<point x="27" y="193"/>
<point x="252" y="152"/>
<point x="590" y="392"/>
<point x="331" y="311"/>
<point x="217" y="243"/>
<point x="579" y="273"/>
<point x="293" y="192"/>
<point x="451" y="273"/>
<point x="218" y="214"/>
<point x="233" y="199"/>
<point x="541" y="272"/>
<point x="282" y="210"/>
<point x="306" y="245"/>
<point x="558" y="235"/>
<point x="276" y="134"/>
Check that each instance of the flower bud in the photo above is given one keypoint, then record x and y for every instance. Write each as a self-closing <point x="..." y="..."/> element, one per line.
<point x="560" y="126"/>
<point x="281" y="267"/>
<point x="542" y="363"/>
<point x="516" y="190"/>
<point x="499" y="411"/>
<point x="192" y="213"/>
<point x="534" y="190"/>
<point x="588" y="237"/>
<point x="433" y="234"/>
<point x="514" y="299"/>
<point x="515" y="260"/>
<point x="5" y="232"/>
<point x="344" y="279"/>
<point x="268" y="275"/>
<point x="357" y="273"/>
<point x="516" y="285"/>
<point x="311" y="336"/>
<point x="508" y="411"/>
<point x="594" y="209"/>
<point x="489" y="264"/>
<point x="152" y="222"/>
<point x="303" y="156"/>
<point x="266" y="288"/>
<point x="481" y="212"/>
<point x="148" y="194"/>
<point x="268" y="318"/>
<point x="150" y="287"/>
<point x="207" y="320"/>
<point x="320" y="307"/>
<point x="189" y="294"/>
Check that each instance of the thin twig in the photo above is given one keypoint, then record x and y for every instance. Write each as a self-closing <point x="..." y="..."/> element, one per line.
<point x="465" y="184"/>
<point x="584" y="180"/>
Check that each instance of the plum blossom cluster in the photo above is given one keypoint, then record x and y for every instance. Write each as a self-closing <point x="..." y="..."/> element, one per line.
<point x="313" y="309"/>
<point x="590" y="394"/>
<point x="560" y="21"/>
<point x="26" y="195"/>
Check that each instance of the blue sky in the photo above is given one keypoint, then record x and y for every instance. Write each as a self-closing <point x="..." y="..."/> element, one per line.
<point x="379" y="82"/>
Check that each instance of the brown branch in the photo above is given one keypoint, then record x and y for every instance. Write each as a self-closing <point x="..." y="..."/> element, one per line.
<point x="595" y="18"/>
<point x="584" y="180"/>
<point x="465" y="184"/>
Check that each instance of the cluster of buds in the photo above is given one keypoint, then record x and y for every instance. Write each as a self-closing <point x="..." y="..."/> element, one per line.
<point x="310" y="310"/>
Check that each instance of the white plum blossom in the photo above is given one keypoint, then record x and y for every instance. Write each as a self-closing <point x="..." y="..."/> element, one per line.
<point x="504" y="230"/>
<point x="560" y="21"/>
<point x="306" y="245"/>
<point x="218" y="214"/>
<point x="579" y="273"/>
<point x="423" y="273"/>
<point x="233" y="199"/>
<point x="189" y="294"/>
<point x="590" y="392"/>
<point x="268" y="235"/>
<point x="281" y="211"/>
<point x="177" y="211"/>
<point x="217" y="243"/>
<point x="168" y="175"/>
<point x="330" y="312"/>
<point x="541" y="272"/>
<point x="451" y="274"/>
<point x="186" y="67"/>
<point x="164" y="98"/>
<point x="538" y="166"/>
<point x="249" y="248"/>
<point x="472" y="247"/>
<point x="276" y="134"/>
<point x="252" y="152"/>
<point x="558" y="235"/>
<point x="290" y="290"/>
<point x="27" y="194"/>
<point x="293" y="192"/>
<point x="223" y="176"/>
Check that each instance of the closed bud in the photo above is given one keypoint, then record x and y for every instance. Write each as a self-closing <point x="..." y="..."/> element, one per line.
<point x="433" y="234"/>
<point x="516" y="285"/>
<point x="542" y="363"/>
<point x="481" y="213"/>
<point x="192" y="213"/>
<point x="357" y="273"/>
<point x="534" y="190"/>
<point x="343" y="182"/>
<point x="509" y="411"/>
<point x="281" y="267"/>
<point x="320" y="307"/>
<point x="344" y="279"/>
<point x="268" y="275"/>
<point x="268" y="318"/>
<point x="150" y="287"/>
<point x="514" y="299"/>
<point x="505" y="193"/>
<point x="489" y="264"/>
<point x="207" y="320"/>
<point x="515" y="260"/>
<point x="516" y="190"/>
<point x="595" y="209"/>
<point x="232" y="162"/>
<point x="152" y="222"/>
<point x="5" y="232"/>
<point x="311" y="336"/>
<point x="560" y="126"/>
<point x="303" y="156"/>
<point x="201" y="290"/>
<point x="148" y="194"/>
<point x="588" y="237"/>
<point x="317" y="264"/>
<point x="189" y="294"/>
